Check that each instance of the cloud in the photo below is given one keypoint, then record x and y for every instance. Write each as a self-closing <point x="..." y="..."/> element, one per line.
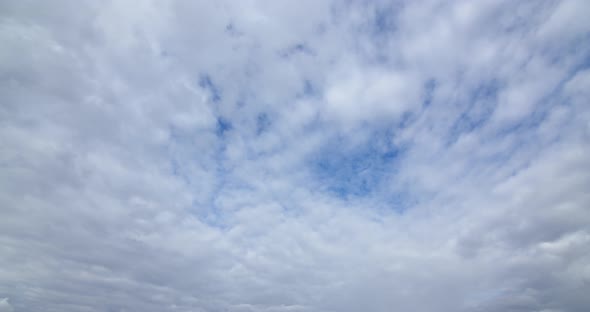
<point x="324" y="156"/>
<point x="5" y="306"/>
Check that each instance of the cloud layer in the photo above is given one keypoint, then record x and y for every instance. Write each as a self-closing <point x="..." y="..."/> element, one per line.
<point x="304" y="156"/>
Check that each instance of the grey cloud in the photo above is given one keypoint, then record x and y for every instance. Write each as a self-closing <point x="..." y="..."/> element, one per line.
<point x="5" y="305"/>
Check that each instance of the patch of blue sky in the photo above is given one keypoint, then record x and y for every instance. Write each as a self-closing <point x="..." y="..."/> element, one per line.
<point x="382" y="27"/>
<point x="262" y="123"/>
<point x="400" y="201"/>
<point x="429" y="89"/>
<point x="309" y="90"/>
<point x="384" y="21"/>
<point x="206" y="83"/>
<point x="223" y="125"/>
<point x="480" y="106"/>
<point x="296" y="49"/>
<point x="356" y="171"/>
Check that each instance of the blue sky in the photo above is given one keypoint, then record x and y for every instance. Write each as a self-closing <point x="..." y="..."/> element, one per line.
<point x="294" y="156"/>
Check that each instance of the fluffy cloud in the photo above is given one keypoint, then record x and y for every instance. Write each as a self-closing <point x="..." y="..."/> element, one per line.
<point x="318" y="156"/>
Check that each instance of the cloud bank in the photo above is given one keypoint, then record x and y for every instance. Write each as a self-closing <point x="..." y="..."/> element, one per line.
<point x="295" y="156"/>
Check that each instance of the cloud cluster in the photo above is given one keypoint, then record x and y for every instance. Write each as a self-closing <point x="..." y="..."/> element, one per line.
<point x="307" y="156"/>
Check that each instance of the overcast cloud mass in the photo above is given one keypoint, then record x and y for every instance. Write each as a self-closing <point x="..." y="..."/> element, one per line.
<point x="295" y="156"/>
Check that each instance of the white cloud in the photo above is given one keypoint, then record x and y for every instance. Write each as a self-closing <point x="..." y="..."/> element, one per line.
<point x="186" y="156"/>
<point x="366" y="95"/>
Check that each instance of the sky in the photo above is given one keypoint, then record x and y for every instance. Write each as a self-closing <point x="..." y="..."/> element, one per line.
<point x="300" y="156"/>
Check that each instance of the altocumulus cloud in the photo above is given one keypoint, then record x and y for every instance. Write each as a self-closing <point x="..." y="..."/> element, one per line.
<point x="295" y="156"/>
